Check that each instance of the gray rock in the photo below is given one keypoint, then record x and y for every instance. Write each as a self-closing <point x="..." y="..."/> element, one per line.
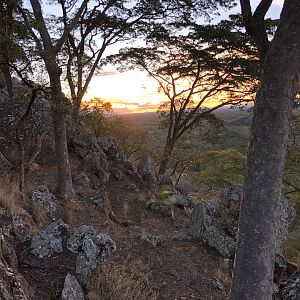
<point x="49" y="241"/>
<point x="164" y="180"/>
<point x="4" y="163"/>
<point x="46" y="200"/>
<point x="291" y="291"/>
<point x="91" y="249"/>
<point x="111" y="149"/>
<point x="147" y="171"/>
<point x="22" y="224"/>
<point x="216" y="221"/>
<point x="182" y="236"/>
<point x="154" y="240"/>
<point x="101" y="197"/>
<point x="80" y="178"/>
<point x="72" y="289"/>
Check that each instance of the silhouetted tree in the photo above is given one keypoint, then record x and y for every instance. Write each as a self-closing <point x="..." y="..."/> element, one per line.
<point x="49" y="48"/>
<point x="210" y="67"/>
<point x="107" y="23"/>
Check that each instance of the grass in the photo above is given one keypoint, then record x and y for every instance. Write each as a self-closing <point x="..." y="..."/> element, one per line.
<point x="128" y="280"/>
<point x="9" y="193"/>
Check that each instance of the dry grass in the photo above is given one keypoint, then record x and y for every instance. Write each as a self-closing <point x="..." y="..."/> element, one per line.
<point x="9" y="193"/>
<point x="39" y="215"/>
<point x="125" y="281"/>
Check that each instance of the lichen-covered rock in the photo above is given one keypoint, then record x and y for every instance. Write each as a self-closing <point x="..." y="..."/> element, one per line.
<point x="112" y="149"/>
<point x="13" y="286"/>
<point x="91" y="248"/>
<point x="216" y="221"/>
<point x="80" y="178"/>
<point x="147" y="171"/>
<point x="72" y="289"/>
<point x="47" y="201"/>
<point x="22" y="224"/>
<point x="291" y="291"/>
<point x="49" y="241"/>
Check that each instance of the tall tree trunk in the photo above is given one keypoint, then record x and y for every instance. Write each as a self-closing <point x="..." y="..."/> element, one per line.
<point x="8" y="80"/>
<point x="64" y="175"/>
<point x="65" y="186"/>
<point x="254" y="261"/>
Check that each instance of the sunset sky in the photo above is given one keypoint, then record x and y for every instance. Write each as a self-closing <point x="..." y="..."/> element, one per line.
<point x="134" y="91"/>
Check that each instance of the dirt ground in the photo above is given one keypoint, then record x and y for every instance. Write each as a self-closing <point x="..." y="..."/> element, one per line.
<point x="175" y="270"/>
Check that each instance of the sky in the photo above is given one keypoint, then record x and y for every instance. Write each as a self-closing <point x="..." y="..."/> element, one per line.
<point x="134" y="91"/>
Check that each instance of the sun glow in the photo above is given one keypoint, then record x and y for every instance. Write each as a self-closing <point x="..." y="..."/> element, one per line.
<point x="129" y="92"/>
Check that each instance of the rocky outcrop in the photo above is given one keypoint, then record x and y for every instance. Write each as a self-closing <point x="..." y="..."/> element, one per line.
<point x="13" y="286"/>
<point x="72" y="289"/>
<point x="46" y="200"/>
<point x="37" y="123"/>
<point x="89" y="247"/>
<point x="216" y="221"/>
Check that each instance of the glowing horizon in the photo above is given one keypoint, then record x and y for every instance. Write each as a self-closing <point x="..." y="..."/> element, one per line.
<point x="128" y="92"/>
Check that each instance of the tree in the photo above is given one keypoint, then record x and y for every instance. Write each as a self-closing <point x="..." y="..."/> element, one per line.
<point x="255" y="254"/>
<point x="109" y="22"/>
<point x="210" y="67"/>
<point x="49" y="48"/>
<point x="12" y="36"/>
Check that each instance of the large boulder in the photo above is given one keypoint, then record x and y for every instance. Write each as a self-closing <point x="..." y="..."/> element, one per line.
<point x="216" y="221"/>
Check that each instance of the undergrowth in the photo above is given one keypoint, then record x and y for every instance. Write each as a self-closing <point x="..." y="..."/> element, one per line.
<point x="126" y="281"/>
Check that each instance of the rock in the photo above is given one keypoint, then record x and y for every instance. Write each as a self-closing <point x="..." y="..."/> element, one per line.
<point x="146" y="170"/>
<point x="291" y="291"/>
<point x="91" y="248"/>
<point x="154" y="240"/>
<point x="49" y="241"/>
<point x="22" y="224"/>
<point x="182" y="236"/>
<point x="4" y="163"/>
<point x="100" y="199"/>
<point x="80" y="178"/>
<point x="97" y="164"/>
<point x="131" y="187"/>
<point x="216" y="221"/>
<point x="218" y="284"/>
<point x="164" y="180"/>
<point x="112" y="149"/>
<point x="180" y="200"/>
<point x="13" y="286"/>
<point x="72" y="289"/>
<point x="47" y="201"/>
<point x="165" y="210"/>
